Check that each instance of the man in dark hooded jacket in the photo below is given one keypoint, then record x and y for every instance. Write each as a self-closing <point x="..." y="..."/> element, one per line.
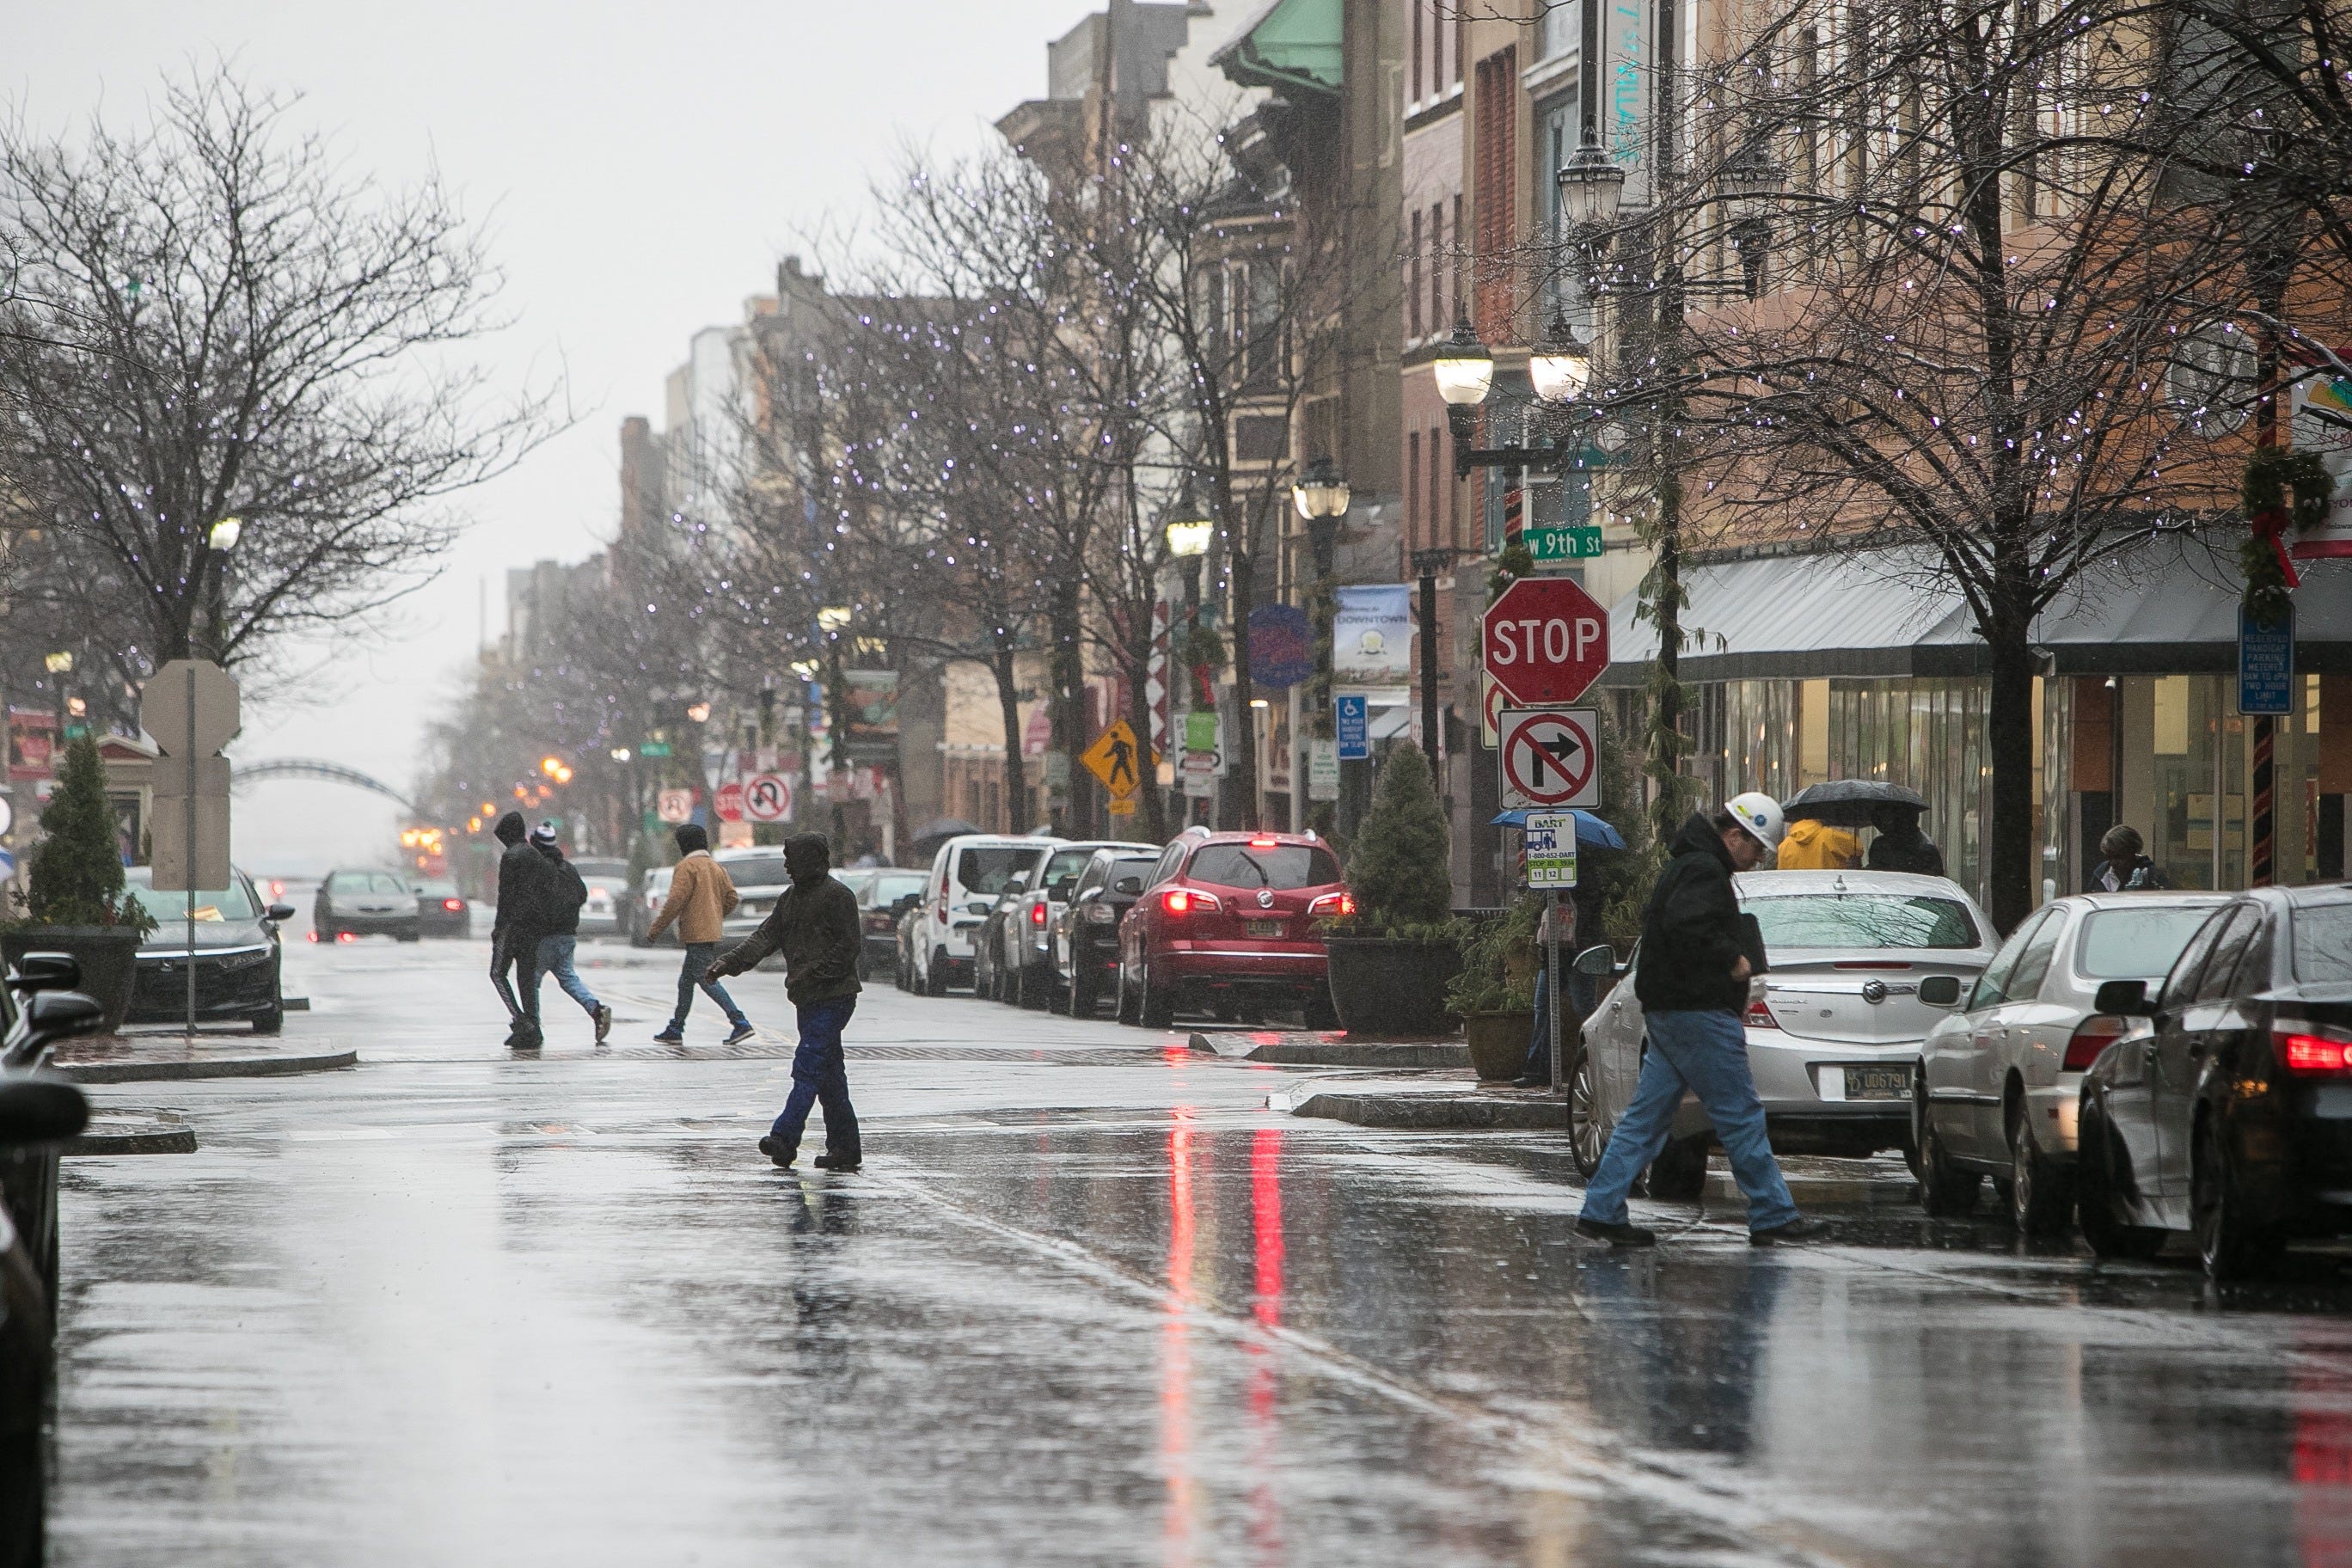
<point x="527" y="890"/>
<point x="1900" y="846"/>
<point x="1691" y="978"/>
<point x="815" y="926"/>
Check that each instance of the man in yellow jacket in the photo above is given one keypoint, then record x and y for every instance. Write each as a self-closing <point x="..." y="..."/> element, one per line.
<point x="701" y="896"/>
<point x="1811" y="845"/>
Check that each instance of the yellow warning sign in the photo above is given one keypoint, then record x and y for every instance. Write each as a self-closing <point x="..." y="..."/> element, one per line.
<point x="1113" y="759"/>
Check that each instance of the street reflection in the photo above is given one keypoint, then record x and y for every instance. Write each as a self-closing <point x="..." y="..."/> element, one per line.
<point x="1265" y="1307"/>
<point x="1180" y="1525"/>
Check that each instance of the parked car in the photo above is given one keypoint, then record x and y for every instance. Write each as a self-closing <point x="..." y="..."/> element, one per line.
<point x="40" y="1006"/>
<point x="1026" y="935"/>
<point x="607" y="881"/>
<point x="363" y="903"/>
<point x="989" y="968"/>
<point x="645" y="906"/>
<point x="1227" y="922"/>
<point x="1998" y="1081"/>
<point x="967" y="874"/>
<point x="2230" y="1118"/>
<point x="1862" y="966"/>
<point x="238" y="957"/>
<point x="883" y="897"/>
<point x="909" y="927"/>
<point x="442" y="910"/>
<point x="1086" y="927"/>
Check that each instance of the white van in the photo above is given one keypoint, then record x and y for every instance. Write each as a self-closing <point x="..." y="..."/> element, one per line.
<point x="967" y="875"/>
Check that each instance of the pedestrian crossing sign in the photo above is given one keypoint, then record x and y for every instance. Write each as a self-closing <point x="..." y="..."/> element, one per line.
<point x="1114" y="758"/>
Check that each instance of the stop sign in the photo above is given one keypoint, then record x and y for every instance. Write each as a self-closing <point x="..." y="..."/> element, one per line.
<point x="1545" y="641"/>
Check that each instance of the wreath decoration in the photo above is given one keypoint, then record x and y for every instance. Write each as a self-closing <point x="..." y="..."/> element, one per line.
<point x="2273" y="476"/>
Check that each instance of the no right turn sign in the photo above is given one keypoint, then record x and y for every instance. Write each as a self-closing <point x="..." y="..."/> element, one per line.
<point x="1550" y="757"/>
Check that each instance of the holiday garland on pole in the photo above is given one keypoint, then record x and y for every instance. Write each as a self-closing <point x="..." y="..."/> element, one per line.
<point x="2272" y="475"/>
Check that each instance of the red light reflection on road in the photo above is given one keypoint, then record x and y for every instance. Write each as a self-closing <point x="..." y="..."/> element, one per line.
<point x="1266" y="1305"/>
<point x="1180" y="1525"/>
<point x="2322" y="1464"/>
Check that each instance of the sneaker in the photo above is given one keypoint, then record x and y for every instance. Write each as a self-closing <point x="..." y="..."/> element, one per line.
<point x="840" y="1164"/>
<point x="673" y="1036"/>
<point x="776" y="1152"/>
<point x="604" y="1022"/>
<point x="527" y="1040"/>
<point x="741" y="1033"/>
<point x="1616" y="1235"/>
<point x="1800" y="1229"/>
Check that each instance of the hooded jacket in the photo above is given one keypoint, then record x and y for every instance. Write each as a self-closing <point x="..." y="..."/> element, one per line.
<point x="1815" y="845"/>
<point x="1690" y="933"/>
<point x="569" y="892"/>
<point x="528" y="887"/>
<point x="1897" y="850"/>
<point x="813" y="925"/>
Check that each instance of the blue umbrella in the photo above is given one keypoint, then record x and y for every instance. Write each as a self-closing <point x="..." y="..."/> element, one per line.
<point x="1590" y="831"/>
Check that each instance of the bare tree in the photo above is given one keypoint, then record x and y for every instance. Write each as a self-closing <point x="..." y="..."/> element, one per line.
<point x="207" y="318"/>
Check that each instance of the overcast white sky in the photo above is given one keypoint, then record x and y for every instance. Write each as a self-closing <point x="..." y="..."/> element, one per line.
<point x="641" y="168"/>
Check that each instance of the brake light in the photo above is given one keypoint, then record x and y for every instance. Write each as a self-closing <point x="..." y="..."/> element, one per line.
<point x="1036" y="914"/>
<point x="347" y="936"/>
<point x="2313" y="1055"/>
<point x="1266" y="843"/>
<point x="1188" y="902"/>
<point x="1333" y="906"/>
<point x="309" y="936"/>
<point x="453" y="905"/>
<point x="2091" y="1036"/>
<point x="1759" y="1017"/>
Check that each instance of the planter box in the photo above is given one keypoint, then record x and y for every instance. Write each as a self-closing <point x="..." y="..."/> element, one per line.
<point x="1395" y="988"/>
<point x="108" y="957"/>
<point x="1498" y="1042"/>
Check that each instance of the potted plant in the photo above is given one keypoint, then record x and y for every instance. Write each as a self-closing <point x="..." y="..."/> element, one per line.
<point x="74" y="900"/>
<point x="1496" y="991"/>
<point x="1392" y="959"/>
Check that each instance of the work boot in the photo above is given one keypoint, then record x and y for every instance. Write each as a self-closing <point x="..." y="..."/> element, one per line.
<point x="1798" y="1229"/>
<point x="776" y="1152"/>
<point x="840" y="1164"/>
<point x="1616" y="1235"/>
<point x="604" y="1016"/>
<point x="527" y="1038"/>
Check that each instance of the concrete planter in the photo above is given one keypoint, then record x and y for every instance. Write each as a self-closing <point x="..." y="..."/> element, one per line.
<point x="1381" y="986"/>
<point x="1498" y="1042"/>
<point x="108" y="957"/>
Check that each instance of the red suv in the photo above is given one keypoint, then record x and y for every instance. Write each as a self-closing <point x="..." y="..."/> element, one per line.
<point x="1227" y="922"/>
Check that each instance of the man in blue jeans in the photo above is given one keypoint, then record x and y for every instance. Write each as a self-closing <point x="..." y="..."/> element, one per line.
<point x="1692" y="980"/>
<point x="814" y="924"/>
<point x="559" y="949"/>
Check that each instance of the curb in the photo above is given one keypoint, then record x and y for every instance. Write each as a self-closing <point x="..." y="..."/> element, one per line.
<point x="1310" y="1052"/>
<point x="213" y="1067"/>
<point x="1434" y="1113"/>
<point x="133" y="1132"/>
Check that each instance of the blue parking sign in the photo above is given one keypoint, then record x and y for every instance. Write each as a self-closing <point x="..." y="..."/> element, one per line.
<point x="2265" y="665"/>
<point x="1352" y="715"/>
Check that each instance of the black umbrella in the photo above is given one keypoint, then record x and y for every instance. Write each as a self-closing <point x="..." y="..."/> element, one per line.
<point x="941" y="828"/>
<point x="1850" y="802"/>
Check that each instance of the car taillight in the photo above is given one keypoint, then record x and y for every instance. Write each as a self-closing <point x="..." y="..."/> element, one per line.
<point x="1036" y="914"/>
<point x="2091" y="1036"/>
<point x="1262" y="843"/>
<point x="1188" y="902"/>
<point x="2313" y="1055"/>
<point x="1759" y="1017"/>
<point x="347" y="936"/>
<point x="453" y="905"/>
<point x="1333" y="906"/>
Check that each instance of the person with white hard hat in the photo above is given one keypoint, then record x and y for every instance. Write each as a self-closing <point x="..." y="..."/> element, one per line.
<point x="1692" y="979"/>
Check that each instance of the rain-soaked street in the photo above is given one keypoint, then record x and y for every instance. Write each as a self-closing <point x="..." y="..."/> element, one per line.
<point x="1090" y="1302"/>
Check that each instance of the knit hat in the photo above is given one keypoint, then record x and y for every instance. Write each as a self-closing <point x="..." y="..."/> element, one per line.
<point x="543" y="835"/>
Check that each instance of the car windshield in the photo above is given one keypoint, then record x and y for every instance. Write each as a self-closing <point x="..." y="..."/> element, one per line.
<point x="230" y="903"/>
<point x="1861" y="921"/>
<point x="599" y="865"/>
<point x="438" y="889"/>
<point x="889" y="887"/>
<point x="758" y="871"/>
<point x="1278" y="866"/>
<point x="985" y="868"/>
<point x="2136" y="945"/>
<point x="1064" y="868"/>
<point x="2322" y="944"/>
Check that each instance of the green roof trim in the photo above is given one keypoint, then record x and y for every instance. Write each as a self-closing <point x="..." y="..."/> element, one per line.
<point x="1291" y="44"/>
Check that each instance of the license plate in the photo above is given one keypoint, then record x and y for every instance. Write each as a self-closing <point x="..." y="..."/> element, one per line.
<point x="1878" y="1083"/>
<point x="1266" y="928"/>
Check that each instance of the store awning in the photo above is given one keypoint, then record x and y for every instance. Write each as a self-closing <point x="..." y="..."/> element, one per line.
<point x="1291" y="44"/>
<point x="2168" y="607"/>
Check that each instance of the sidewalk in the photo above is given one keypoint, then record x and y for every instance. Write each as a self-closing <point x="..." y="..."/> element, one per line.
<point x="1330" y="1049"/>
<point x="160" y="1058"/>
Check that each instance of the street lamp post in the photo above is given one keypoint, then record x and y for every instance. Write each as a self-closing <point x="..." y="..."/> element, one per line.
<point x="1426" y="565"/>
<point x="1322" y="496"/>
<point x="1188" y="542"/>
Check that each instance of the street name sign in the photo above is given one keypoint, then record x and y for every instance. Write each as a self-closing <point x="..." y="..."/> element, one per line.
<point x="1579" y="543"/>
<point x="1551" y="849"/>
<point x="767" y="797"/>
<point x="1550" y="757"/>
<point x="2265" y="665"/>
<point x="1543" y="641"/>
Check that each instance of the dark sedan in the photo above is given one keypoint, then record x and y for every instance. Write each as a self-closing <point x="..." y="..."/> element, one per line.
<point x="353" y="904"/>
<point x="442" y="910"/>
<point x="2232" y="1119"/>
<point x="237" y="956"/>
<point x="1026" y="943"/>
<point x="882" y="897"/>
<point x="1085" y="929"/>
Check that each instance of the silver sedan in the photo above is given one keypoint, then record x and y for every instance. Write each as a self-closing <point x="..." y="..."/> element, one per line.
<point x="1862" y="963"/>
<point x="2000" y="1081"/>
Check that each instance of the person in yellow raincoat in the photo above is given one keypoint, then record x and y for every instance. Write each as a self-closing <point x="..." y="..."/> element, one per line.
<point x="1813" y="846"/>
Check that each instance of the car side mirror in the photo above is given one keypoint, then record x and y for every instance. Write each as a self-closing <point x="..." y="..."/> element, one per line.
<point x="1127" y="885"/>
<point x="41" y="1111"/>
<point x="62" y="1015"/>
<point x="1598" y="962"/>
<point x="2124" y="998"/>
<point x="278" y="912"/>
<point x="47" y="972"/>
<point x="1940" y="991"/>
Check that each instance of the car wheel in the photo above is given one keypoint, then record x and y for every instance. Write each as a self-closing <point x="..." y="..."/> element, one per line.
<point x="1946" y="1191"/>
<point x="1155" y="1006"/>
<point x="1127" y="1008"/>
<point x="1586" y="1140"/>
<point x="1679" y="1174"/>
<point x="410" y="934"/>
<point x="935" y="983"/>
<point x="1083" y="998"/>
<point x="2094" y="1193"/>
<point x="1318" y="1011"/>
<point x="2040" y="1193"/>
<point x="1037" y="989"/>
<point x="2231" y="1242"/>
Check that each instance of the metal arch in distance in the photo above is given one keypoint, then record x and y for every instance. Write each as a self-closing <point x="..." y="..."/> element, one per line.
<point x="245" y="773"/>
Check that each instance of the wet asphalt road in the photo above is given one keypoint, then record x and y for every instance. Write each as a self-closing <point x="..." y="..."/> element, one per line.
<point x="1089" y="1303"/>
